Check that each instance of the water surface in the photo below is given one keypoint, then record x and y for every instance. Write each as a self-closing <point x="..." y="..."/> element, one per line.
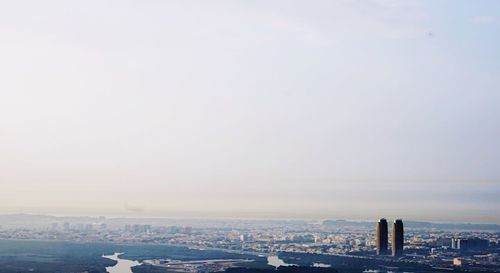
<point x="122" y="265"/>
<point x="276" y="261"/>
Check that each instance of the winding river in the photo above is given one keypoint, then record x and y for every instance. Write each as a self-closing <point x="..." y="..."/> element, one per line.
<point x="275" y="261"/>
<point x="122" y="265"/>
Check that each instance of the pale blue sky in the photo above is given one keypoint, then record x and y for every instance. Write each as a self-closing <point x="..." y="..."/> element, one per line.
<point x="317" y="109"/>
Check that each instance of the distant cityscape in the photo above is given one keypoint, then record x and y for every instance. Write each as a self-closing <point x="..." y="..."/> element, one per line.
<point x="410" y="247"/>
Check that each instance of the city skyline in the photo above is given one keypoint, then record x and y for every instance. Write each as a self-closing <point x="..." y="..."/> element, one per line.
<point x="258" y="109"/>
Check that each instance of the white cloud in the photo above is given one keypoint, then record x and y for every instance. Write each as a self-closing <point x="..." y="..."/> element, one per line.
<point x="194" y="106"/>
<point x="483" y="19"/>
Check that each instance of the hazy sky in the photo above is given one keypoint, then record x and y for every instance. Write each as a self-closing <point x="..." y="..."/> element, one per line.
<point x="295" y="109"/>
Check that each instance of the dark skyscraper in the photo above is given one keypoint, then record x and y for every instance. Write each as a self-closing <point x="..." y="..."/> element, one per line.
<point x="382" y="234"/>
<point x="397" y="238"/>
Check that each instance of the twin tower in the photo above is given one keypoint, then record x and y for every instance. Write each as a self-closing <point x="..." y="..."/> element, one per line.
<point x="397" y="237"/>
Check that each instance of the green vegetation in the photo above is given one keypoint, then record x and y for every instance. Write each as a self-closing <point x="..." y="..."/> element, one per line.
<point x="53" y="257"/>
<point x="23" y="256"/>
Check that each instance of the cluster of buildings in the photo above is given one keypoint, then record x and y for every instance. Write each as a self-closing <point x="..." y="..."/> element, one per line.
<point x="468" y="244"/>
<point x="388" y="244"/>
<point x="397" y="238"/>
<point x="138" y="228"/>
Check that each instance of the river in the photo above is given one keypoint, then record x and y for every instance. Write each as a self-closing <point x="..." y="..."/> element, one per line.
<point x="276" y="261"/>
<point x="122" y="265"/>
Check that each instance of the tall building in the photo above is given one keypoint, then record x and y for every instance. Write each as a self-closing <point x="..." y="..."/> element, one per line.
<point x="454" y="243"/>
<point x="397" y="238"/>
<point x="471" y="244"/>
<point x="382" y="234"/>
